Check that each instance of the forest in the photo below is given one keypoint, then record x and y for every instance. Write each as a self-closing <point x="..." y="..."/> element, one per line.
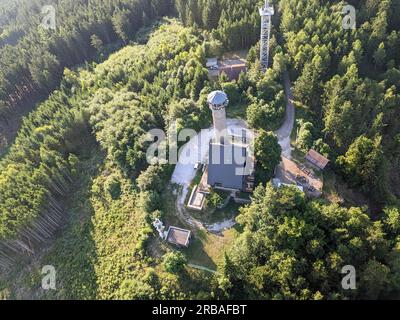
<point x="33" y="58"/>
<point x="75" y="179"/>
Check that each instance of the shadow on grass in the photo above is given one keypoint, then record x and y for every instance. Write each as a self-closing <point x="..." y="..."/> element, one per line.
<point x="74" y="252"/>
<point x="196" y="253"/>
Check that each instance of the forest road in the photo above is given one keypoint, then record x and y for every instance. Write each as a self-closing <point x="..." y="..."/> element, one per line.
<point x="284" y="132"/>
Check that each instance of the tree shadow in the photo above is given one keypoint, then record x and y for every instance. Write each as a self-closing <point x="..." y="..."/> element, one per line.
<point x="197" y="254"/>
<point x="73" y="253"/>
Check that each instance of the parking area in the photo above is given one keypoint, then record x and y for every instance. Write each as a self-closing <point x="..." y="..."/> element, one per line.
<point x="291" y="173"/>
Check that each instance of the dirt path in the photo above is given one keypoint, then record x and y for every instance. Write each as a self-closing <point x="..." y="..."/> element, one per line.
<point x="201" y="268"/>
<point x="221" y="226"/>
<point x="284" y="132"/>
<point x="181" y="211"/>
<point x="185" y="217"/>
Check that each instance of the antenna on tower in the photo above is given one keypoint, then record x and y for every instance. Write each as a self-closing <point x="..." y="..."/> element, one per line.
<point x="266" y="13"/>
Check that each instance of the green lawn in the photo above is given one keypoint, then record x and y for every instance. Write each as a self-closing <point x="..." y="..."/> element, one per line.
<point x="207" y="249"/>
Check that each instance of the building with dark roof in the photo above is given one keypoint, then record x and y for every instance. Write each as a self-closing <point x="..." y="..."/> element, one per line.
<point x="317" y="159"/>
<point x="230" y="163"/>
<point x="226" y="166"/>
<point x="232" y="68"/>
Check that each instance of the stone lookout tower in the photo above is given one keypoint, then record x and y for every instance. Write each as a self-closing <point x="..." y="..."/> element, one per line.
<point x="218" y="101"/>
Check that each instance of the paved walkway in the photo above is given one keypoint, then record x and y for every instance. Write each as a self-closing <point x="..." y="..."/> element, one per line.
<point x="201" y="268"/>
<point x="284" y="132"/>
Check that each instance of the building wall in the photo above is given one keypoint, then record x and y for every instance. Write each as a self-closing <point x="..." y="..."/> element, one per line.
<point x="219" y="119"/>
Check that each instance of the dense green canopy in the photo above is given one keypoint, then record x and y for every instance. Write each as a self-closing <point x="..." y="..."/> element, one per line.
<point x="79" y="159"/>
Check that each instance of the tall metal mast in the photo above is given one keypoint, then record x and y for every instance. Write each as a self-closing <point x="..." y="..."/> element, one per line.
<point x="266" y="13"/>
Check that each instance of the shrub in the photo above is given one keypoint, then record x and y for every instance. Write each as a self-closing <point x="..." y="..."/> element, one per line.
<point x="174" y="262"/>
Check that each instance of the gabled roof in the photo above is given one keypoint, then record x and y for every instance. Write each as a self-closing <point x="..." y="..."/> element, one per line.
<point x="233" y="72"/>
<point x="317" y="159"/>
<point x="232" y="68"/>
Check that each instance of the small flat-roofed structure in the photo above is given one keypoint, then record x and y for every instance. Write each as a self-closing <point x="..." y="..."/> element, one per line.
<point x="197" y="199"/>
<point x="317" y="159"/>
<point x="179" y="237"/>
<point x="213" y="68"/>
<point x="212" y="63"/>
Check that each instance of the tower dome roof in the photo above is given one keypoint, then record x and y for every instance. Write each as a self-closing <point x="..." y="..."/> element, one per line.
<point x="217" y="98"/>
